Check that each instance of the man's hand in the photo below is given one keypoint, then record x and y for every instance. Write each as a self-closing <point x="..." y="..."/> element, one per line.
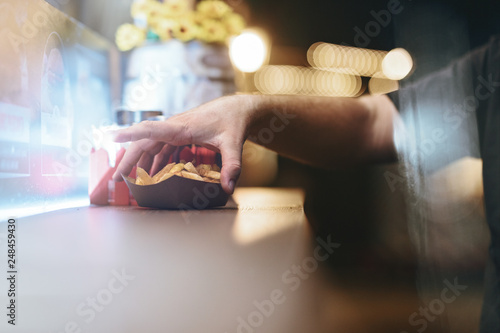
<point x="329" y="132"/>
<point x="221" y="125"/>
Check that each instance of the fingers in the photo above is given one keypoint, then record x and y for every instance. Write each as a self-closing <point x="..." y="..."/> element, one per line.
<point x="131" y="157"/>
<point x="161" y="159"/>
<point x="152" y="155"/>
<point x="147" y="158"/>
<point x="134" y="133"/>
<point x="166" y="131"/>
<point x="231" y="165"/>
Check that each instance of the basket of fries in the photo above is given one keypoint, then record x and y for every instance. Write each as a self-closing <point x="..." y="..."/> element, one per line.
<point x="179" y="186"/>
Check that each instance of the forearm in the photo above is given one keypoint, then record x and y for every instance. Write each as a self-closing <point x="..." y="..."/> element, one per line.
<point x="325" y="131"/>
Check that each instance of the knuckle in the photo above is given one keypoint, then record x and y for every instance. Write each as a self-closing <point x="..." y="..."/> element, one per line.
<point x="147" y="123"/>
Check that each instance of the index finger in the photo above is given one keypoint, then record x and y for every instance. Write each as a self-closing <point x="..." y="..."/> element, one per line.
<point x="134" y="154"/>
<point x="165" y="131"/>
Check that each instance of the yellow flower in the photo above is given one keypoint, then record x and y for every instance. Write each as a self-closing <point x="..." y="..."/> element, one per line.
<point x="234" y="23"/>
<point x="186" y="29"/>
<point x="175" y="8"/>
<point x="129" y="36"/>
<point x="155" y="12"/>
<point x="142" y="7"/>
<point x="164" y="28"/>
<point x="212" y="22"/>
<point x="197" y="17"/>
<point x="212" y="31"/>
<point x="213" y="8"/>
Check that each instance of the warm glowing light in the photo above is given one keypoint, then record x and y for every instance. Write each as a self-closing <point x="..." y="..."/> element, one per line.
<point x="345" y="59"/>
<point x="380" y="86"/>
<point x="248" y="51"/>
<point x="393" y="65"/>
<point x="255" y="227"/>
<point x="397" y="64"/>
<point x="293" y="80"/>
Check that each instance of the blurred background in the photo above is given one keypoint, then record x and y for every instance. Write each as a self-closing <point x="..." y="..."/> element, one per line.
<point x="377" y="280"/>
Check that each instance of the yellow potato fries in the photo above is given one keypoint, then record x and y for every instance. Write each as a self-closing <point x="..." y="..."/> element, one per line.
<point x="191" y="175"/>
<point x="177" y="168"/>
<point x="143" y="177"/>
<point x="204" y="167"/>
<point x="210" y="174"/>
<point x="165" y="177"/>
<point x="190" y="167"/>
<point x="163" y="172"/>
<point x="203" y="172"/>
<point x="213" y="174"/>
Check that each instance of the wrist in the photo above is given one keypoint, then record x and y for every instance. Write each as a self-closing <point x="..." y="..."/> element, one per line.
<point x="256" y="108"/>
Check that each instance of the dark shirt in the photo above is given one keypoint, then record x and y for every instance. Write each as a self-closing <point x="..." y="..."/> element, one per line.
<point x="450" y="114"/>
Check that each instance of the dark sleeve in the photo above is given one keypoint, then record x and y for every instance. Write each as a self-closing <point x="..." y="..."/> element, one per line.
<point x="439" y="111"/>
<point x="455" y="113"/>
<point x="488" y="121"/>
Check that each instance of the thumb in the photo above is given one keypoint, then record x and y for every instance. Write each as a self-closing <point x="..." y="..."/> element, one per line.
<point x="231" y="165"/>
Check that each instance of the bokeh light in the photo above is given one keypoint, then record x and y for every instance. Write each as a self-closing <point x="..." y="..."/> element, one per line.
<point x="336" y="70"/>
<point x="345" y="59"/>
<point x="248" y="51"/>
<point x="397" y="64"/>
<point x="380" y="86"/>
<point x="296" y="80"/>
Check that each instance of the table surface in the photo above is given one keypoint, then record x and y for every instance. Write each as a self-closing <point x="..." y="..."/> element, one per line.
<point x="129" y="269"/>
